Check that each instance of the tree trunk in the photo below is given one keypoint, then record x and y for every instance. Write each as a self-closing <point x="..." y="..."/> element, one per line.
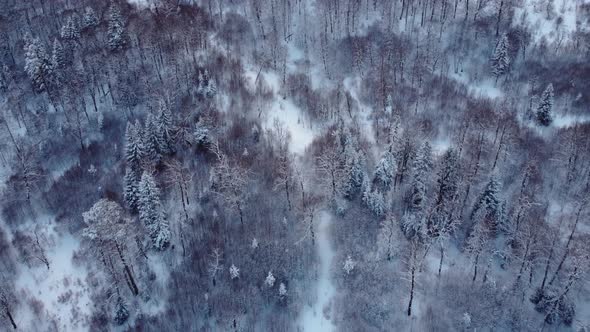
<point x="442" y="255"/>
<point x="567" y="245"/>
<point x="411" y="291"/>
<point x="475" y="267"/>
<point x="287" y="192"/>
<point x="11" y="319"/>
<point x="182" y="199"/>
<point x="128" y="276"/>
<point x="499" y="18"/>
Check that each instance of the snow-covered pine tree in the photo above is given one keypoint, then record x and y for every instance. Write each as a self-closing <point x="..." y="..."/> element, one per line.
<point x="121" y="312"/>
<point x="448" y="179"/>
<point x="349" y="265"/>
<point x="133" y="167"/>
<point x="234" y="272"/>
<point x="116" y="35"/>
<point x="133" y="146"/>
<point x="89" y="19"/>
<point x="37" y="64"/>
<point x="354" y="173"/>
<point x="388" y="105"/>
<point x="150" y="212"/>
<point x="270" y="279"/>
<point x="58" y="55"/>
<point x="385" y="171"/>
<point x="490" y="203"/>
<point x="58" y="62"/>
<point x="412" y="225"/>
<point x="544" y="110"/>
<point x="150" y="141"/>
<point x="500" y="59"/>
<point x="374" y="200"/>
<point x="164" y="127"/>
<point x="131" y="194"/>
<point x="421" y="170"/>
<point x="70" y="31"/>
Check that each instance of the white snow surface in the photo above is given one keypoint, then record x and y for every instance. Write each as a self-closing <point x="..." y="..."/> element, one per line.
<point x="316" y="318"/>
<point x="291" y="116"/>
<point x="283" y="110"/>
<point x="534" y="14"/>
<point x="62" y="289"/>
<point x="569" y="120"/>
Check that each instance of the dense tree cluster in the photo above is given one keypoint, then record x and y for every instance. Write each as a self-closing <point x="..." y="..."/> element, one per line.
<point x="179" y="159"/>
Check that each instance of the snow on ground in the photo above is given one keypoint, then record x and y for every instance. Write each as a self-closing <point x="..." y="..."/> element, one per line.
<point x="140" y="3"/>
<point x="299" y="128"/>
<point x="441" y="145"/>
<point x="484" y="88"/>
<point x="569" y="120"/>
<point x="534" y="14"/>
<point x="315" y="318"/>
<point x="364" y="118"/>
<point x="61" y="289"/>
<point x="285" y="111"/>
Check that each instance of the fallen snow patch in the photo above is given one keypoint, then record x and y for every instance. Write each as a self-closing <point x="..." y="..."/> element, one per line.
<point x="315" y="318"/>
<point x="61" y="289"/>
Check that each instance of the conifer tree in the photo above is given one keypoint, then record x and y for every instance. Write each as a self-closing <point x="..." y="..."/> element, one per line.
<point x="58" y="62"/>
<point x="70" y="31"/>
<point x="385" y="171"/>
<point x="421" y="168"/>
<point x="151" y="140"/>
<point x="150" y="212"/>
<point x="490" y="203"/>
<point x="132" y="189"/>
<point x="544" y="110"/>
<point x="500" y="59"/>
<point x="116" y="35"/>
<point x="58" y="55"/>
<point x="37" y="64"/>
<point x="354" y="173"/>
<point x="133" y="146"/>
<point x="133" y="167"/>
<point x="164" y="130"/>
<point x="90" y="19"/>
<point x="448" y="178"/>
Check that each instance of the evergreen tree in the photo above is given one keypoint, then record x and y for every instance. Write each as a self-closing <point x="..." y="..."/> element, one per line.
<point x="354" y="173"/>
<point x="133" y="146"/>
<point x="116" y="35"/>
<point x="132" y="189"/>
<point x="58" y="56"/>
<point x="544" y="110"/>
<point x="385" y="171"/>
<point x="121" y="312"/>
<point x="490" y="203"/>
<point x="164" y="128"/>
<point x="150" y="212"/>
<point x="70" y="31"/>
<point x="133" y="167"/>
<point x="89" y="20"/>
<point x="388" y="105"/>
<point x="421" y="169"/>
<point x="374" y="200"/>
<point x="448" y="178"/>
<point x="500" y="59"/>
<point x="151" y="141"/>
<point x="37" y="64"/>
<point x="412" y="225"/>
<point x="58" y="61"/>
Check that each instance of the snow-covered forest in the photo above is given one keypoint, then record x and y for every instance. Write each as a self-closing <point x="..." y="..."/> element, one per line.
<point x="295" y="165"/>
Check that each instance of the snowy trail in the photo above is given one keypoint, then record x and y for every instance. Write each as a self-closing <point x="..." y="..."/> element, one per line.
<point x="314" y="318"/>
